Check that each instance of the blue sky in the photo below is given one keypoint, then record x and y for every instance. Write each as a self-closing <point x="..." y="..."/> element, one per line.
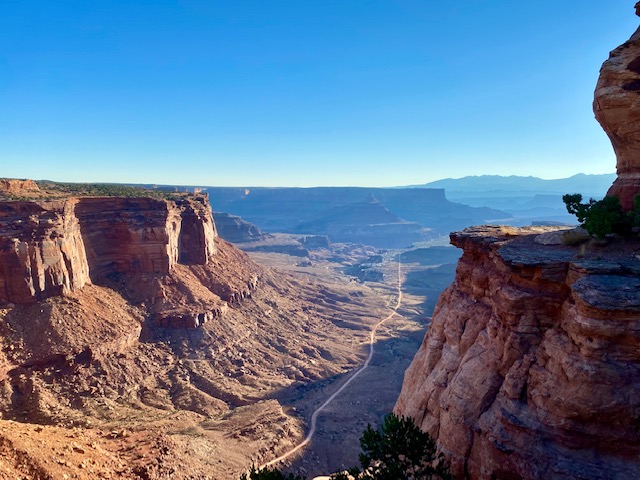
<point x="303" y="92"/>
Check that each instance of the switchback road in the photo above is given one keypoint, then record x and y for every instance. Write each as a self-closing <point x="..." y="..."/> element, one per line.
<point x="320" y="409"/>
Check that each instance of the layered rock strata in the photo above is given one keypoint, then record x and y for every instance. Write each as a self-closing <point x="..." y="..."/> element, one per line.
<point x="617" y="109"/>
<point x="53" y="248"/>
<point x="42" y="253"/>
<point x="196" y="238"/>
<point x="531" y="366"/>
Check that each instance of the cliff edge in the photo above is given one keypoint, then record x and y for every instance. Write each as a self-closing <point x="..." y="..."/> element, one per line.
<point x="531" y="366"/>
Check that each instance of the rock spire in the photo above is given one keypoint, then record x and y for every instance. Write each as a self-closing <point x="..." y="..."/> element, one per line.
<point x="617" y="108"/>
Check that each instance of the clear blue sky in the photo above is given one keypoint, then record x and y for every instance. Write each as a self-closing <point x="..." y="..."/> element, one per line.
<point x="303" y="92"/>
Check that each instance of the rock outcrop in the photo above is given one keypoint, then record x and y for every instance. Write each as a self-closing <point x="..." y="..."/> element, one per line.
<point x="531" y="366"/>
<point x="617" y="109"/>
<point x="54" y="248"/>
<point x="236" y="230"/>
<point x="16" y="186"/>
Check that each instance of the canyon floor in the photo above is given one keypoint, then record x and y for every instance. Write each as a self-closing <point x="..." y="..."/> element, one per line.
<point x="372" y="395"/>
<point x="147" y="402"/>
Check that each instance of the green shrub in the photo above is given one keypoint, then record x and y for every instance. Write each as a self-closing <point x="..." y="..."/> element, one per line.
<point x="267" y="473"/>
<point x="106" y="190"/>
<point x="602" y="217"/>
<point x="398" y="451"/>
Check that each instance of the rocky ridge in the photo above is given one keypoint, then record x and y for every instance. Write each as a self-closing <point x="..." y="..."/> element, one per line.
<point x="533" y="354"/>
<point x="236" y="230"/>
<point x="14" y="185"/>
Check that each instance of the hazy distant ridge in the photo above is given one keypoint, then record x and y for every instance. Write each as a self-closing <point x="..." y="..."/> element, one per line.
<point x="588" y="185"/>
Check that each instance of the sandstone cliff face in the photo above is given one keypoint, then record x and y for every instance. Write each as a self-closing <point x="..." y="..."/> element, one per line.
<point x="531" y="366"/>
<point x="41" y="251"/>
<point x="129" y="235"/>
<point x="16" y="186"/>
<point x="617" y="109"/>
<point x="53" y="248"/>
<point x="195" y="241"/>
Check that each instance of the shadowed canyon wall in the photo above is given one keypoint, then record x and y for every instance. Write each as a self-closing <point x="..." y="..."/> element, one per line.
<point x="52" y="248"/>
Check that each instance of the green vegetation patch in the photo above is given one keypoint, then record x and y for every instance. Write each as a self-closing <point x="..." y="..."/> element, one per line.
<point x="397" y="451"/>
<point x="604" y="217"/>
<point x="105" y="190"/>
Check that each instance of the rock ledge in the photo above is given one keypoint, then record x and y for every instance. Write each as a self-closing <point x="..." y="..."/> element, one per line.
<point x="533" y="353"/>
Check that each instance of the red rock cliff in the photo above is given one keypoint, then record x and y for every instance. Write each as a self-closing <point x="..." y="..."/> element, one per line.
<point x="52" y="248"/>
<point x="531" y="366"/>
<point x="617" y="109"/>
<point x="16" y="186"/>
<point x="41" y="251"/>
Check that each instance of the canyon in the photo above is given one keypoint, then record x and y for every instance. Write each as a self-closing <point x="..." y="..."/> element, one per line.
<point x="136" y="343"/>
<point x="383" y="217"/>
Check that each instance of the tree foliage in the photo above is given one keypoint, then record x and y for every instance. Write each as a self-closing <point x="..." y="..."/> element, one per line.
<point x="268" y="473"/>
<point x="398" y="451"/>
<point x="602" y="217"/>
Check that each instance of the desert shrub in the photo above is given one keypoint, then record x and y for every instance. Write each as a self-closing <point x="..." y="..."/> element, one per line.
<point x="634" y="214"/>
<point x="398" y="451"/>
<point x="602" y="217"/>
<point x="267" y="473"/>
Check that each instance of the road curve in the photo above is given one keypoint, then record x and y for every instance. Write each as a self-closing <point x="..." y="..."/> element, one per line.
<point x="318" y="411"/>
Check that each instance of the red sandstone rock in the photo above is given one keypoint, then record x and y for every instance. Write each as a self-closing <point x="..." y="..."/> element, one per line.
<point x="617" y="108"/>
<point x="15" y="186"/>
<point x="41" y="251"/>
<point x="53" y="248"/>
<point x="531" y="366"/>
<point x="195" y="240"/>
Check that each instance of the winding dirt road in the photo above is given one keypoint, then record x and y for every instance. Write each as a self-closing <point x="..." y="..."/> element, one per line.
<point x="318" y="411"/>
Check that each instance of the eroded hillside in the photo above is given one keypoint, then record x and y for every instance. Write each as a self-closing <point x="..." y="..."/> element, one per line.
<point x="129" y="325"/>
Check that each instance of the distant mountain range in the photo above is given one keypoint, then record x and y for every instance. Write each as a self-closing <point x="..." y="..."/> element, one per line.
<point x="527" y="199"/>
<point x="505" y="186"/>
